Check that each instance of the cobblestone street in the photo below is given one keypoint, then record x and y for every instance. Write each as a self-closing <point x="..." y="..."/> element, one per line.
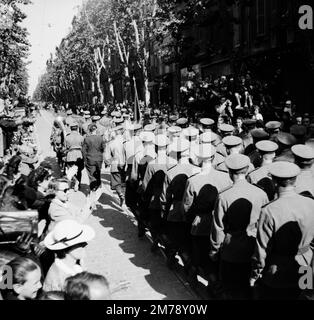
<point x="116" y="252"/>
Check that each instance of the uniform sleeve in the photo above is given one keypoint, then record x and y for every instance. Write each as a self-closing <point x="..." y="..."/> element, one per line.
<point x="265" y="232"/>
<point x="166" y="195"/>
<point x="84" y="149"/>
<point x="188" y="197"/>
<point x="217" y="233"/>
<point x="147" y="177"/>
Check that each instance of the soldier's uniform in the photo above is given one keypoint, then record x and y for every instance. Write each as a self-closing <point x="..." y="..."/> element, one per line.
<point x="260" y="176"/>
<point x="285" y="232"/>
<point x="234" y="227"/>
<point x="226" y="130"/>
<point x="172" y="197"/>
<point x="304" y="156"/>
<point x="132" y="147"/>
<point x="206" y="125"/>
<point x="153" y="186"/>
<point x="87" y="122"/>
<point x="232" y="145"/>
<point x="251" y="151"/>
<point x="273" y="128"/>
<point x="285" y="142"/>
<point x="199" y="200"/>
<point x="74" y="142"/>
<point x="115" y="156"/>
<point x="68" y="120"/>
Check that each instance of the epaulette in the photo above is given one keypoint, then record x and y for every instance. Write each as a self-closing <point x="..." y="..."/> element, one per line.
<point x="173" y="166"/>
<point x="264" y="206"/>
<point x="193" y="175"/>
<point x="225" y="189"/>
<point x="254" y="170"/>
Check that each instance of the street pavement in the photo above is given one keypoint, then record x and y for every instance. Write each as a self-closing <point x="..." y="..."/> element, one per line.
<point x="134" y="273"/>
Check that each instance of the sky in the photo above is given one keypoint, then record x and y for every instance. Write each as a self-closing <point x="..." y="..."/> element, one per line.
<point x="48" y="21"/>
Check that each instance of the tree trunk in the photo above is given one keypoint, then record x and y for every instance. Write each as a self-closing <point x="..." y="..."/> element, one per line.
<point x="99" y="88"/>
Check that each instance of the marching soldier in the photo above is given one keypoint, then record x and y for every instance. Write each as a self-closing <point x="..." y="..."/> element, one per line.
<point x="87" y="122"/>
<point x="153" y="184"/>
<point x="260" y="176"/>
<point x="285" y="232"/>
<point x="225" y="131"/>
<point x="199" y="200"/>
<point x="304" y="158"/>
<point x="206" y="125"/>
<point x="285" y="142"/>
<point x="115" y="157"/>
<point x="233" y="231"/>
<point x="172" y="197"/>
<point x="233" y="145"/>
<point x="273" y="128"/>
<point x="74" y="142"/>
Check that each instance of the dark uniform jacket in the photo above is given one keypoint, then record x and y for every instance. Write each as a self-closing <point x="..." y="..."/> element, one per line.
<point x="93" y="149"/>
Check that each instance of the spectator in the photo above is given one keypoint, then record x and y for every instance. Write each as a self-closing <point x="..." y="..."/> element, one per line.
<point x="68" y="240"/>
<point x="26" y="280"/>
<point x="87" y="286"/>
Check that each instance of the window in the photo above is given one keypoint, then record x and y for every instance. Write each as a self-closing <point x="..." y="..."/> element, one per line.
<point x="260" y="16"/>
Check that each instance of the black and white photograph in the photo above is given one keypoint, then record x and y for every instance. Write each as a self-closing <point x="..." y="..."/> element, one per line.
<point x="158" y="151"/>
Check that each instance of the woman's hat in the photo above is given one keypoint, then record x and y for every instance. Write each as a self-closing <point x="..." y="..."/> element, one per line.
<point x="68" y="233"/>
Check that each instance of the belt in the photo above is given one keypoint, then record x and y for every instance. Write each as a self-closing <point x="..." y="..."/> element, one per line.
<point x="72" y="149"/>
<point x="303" y="250"/>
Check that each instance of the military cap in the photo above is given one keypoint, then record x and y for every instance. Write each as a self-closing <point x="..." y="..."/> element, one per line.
<point x="173" y="118"/>
<point x="237" y="162"/>
<point x="118" y="120"/>
<point x="298" y="130"/>
<point x="232" y="141"/>
<point x="157" y="111"/>
<point x="303" y="152"/>
<point x="69" y="112"/>
<point x="180" y="145"/>
<point x="124" y="110"/>
<point x="113" y="114"/>
<point x="161" y="140"/>
<point x="207" y="122"/>
<point x="249" y="122"/>
<point x="86" y="113"/>
<point x="104" y="112"/>
<point x="259" y="133"/>
<point x="204" y="152"/>
<point x="190" y="132"/>
<point x="226" y="128"/>
<point x="174" y="129"/>
<point x="273" y="125"/>
<point x="87" y="116"/>
<point x="147" y="136"/>
<point x="150" y="127"/>
<point x="73" y="124"/>
<point x="96" y="118"/>
<point x="286" y="139"/>
<point x="208" y="137"/>
<point x="182" y="121"/>
<point x="284" y="170"/>
<point x="134" y="127"/>
<point x="267" y="146"/>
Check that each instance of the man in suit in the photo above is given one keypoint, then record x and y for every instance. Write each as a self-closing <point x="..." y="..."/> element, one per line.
<point x="93" y="149"/>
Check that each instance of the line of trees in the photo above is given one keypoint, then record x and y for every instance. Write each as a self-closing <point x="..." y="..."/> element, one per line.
<point x="115" y="39"/>
<point x="14" y="49"/>
<point x="113" y="43"/>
